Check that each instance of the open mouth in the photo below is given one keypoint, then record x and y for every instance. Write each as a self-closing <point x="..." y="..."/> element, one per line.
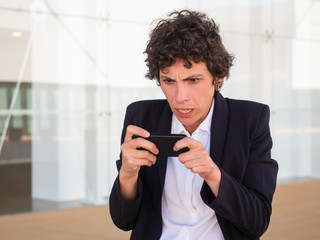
<point x="184" y="111"/>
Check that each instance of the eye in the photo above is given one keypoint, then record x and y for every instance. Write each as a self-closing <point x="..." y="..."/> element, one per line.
<point x="194" y="80"/>
<point x="167" y="80"/>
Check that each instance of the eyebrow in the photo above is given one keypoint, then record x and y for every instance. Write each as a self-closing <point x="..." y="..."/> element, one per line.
<point x="193" y="76"/>
<point x="165" y="78"/>
<point x="186" y="78"/>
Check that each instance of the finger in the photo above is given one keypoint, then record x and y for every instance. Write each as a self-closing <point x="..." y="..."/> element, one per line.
<point x="145" y="144"/>
<point x="137" y="163"/>
<point x="187" y="142"/>
<point x="139" y="142"/>
<point x="135" y="130"/>
<point x="133" y="165"/>
<point x="196" y="163"/>
<point x="201" y="168"/>
<point x="198" y="155"/>
<point x="130" y="151"/>
<point x="145" y="155"/>
<point x="188" y="156"/>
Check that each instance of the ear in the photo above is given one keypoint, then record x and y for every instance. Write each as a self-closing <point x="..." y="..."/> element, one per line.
<point x="218" y="82"/>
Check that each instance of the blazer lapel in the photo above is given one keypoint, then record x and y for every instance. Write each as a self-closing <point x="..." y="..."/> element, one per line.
<point x="163" y="126"/>
<point x="219" y="128"/>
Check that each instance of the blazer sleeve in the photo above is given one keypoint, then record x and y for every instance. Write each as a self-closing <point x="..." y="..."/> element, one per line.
<point x="246" y="204"/>
<point x="123" y="212"/>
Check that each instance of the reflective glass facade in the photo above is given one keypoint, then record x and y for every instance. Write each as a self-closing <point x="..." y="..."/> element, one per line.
<point x="70" y="68"/>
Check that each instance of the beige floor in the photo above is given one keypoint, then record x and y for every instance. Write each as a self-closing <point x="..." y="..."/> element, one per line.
<point x="296" y="215"/>
<point x="296" y="212"/>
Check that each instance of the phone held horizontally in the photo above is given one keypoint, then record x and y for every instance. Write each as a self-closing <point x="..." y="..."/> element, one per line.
<point x="165" y="143"/>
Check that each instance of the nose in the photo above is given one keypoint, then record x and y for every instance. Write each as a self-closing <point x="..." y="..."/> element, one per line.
<point x="181" y="93"/>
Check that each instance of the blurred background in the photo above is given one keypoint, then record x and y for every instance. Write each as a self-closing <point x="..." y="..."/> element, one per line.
<point x="68" y="69"/>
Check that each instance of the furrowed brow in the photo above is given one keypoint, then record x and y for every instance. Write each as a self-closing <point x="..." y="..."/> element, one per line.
<point x="166" y="78"/>
<point x="193" y="76"/>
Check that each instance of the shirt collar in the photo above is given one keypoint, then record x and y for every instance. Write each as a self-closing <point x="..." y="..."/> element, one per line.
<point x="177" y="126"/>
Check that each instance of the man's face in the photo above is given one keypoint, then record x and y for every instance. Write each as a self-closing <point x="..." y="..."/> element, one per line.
<point x="188" y="91"/>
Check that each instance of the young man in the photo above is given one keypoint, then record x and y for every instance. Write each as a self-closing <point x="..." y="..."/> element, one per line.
<point x="221" y="188"/>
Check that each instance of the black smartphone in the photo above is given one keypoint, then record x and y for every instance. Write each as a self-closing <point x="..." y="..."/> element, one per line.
<point x="165" y="143"/>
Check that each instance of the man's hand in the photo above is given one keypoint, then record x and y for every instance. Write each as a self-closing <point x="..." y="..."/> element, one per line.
<point x="199" y="161"/>
<point x="133" y="159"/>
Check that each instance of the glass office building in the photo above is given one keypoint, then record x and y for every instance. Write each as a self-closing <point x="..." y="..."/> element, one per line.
<point x="68" y="69"/>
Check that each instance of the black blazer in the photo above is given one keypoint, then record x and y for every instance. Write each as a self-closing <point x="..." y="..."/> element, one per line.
<point x="240" y="146"/>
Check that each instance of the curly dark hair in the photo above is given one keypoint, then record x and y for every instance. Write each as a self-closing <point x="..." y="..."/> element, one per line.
<point x="187" y="35"/>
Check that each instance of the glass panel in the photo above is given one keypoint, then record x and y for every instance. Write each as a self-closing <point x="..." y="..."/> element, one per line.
<point x="3" y="98"/>
<point x="276" y="44"/>
<point x="76" y="66"/>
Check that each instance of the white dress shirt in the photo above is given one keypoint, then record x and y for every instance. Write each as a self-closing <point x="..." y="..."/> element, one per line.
<point x="184" y="214"/>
